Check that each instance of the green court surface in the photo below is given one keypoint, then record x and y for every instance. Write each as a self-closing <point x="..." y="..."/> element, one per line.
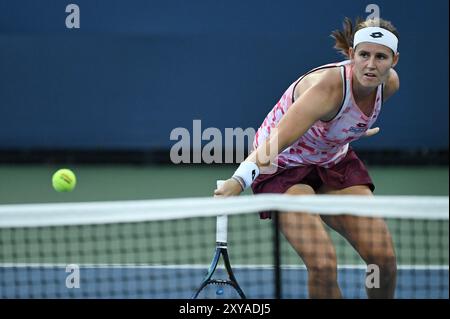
<point x="32" y="184"/>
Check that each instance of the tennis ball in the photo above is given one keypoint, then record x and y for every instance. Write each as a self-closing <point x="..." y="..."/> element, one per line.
<point x="64" y="180"/>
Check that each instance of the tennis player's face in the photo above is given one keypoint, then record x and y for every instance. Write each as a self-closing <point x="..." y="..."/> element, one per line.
<point x="372" y="63"/>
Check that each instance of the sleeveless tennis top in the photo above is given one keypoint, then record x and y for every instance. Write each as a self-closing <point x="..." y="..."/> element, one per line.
<point x="326" y="142"/>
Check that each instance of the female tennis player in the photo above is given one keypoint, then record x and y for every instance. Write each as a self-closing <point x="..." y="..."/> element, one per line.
<point x="311" y="128"/>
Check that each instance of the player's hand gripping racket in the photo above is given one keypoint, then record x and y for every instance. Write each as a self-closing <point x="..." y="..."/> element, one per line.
<point x="226" y="288"/>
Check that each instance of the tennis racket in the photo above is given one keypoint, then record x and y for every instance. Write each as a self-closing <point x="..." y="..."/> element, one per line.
<point x="225" y="288"/>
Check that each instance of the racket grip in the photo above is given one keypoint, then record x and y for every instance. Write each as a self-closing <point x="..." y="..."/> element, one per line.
<point x="221" y="223"/>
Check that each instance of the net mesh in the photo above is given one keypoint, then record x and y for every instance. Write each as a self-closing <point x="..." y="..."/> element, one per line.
<point x="163" y="248"/>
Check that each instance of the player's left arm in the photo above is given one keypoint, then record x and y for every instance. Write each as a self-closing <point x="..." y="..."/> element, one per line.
<point x="392" y="85"/>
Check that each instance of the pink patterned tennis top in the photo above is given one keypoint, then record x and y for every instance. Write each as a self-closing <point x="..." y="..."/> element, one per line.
<point x="326" y="142"/>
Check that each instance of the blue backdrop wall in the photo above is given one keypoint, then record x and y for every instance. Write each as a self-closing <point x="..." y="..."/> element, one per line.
<point x="135" y="70"/>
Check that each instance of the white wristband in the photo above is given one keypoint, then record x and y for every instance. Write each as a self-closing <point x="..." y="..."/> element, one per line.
<point x="248" y="172"/>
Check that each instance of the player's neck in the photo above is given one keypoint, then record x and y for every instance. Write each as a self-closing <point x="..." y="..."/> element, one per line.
<point x="361" y="93"/>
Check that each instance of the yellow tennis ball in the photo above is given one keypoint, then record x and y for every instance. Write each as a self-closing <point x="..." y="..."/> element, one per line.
<point x="64" y="180"/>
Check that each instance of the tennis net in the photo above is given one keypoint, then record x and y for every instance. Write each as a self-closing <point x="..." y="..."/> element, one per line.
<point x="163" y="248"/>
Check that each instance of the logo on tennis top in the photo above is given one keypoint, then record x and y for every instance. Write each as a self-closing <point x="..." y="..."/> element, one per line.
<point x="376" y="35"/>
<point x="359" y="128"/>
<point x="253" y="175"/>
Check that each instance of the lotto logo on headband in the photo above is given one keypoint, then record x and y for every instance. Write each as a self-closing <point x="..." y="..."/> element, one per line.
<point x="377" y="35"/>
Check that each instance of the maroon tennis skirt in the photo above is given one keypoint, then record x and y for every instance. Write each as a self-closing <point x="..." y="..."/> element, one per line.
<point x="350" y="171"/>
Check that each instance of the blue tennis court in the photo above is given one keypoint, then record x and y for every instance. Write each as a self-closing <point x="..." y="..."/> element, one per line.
<point x="150" y="282"/>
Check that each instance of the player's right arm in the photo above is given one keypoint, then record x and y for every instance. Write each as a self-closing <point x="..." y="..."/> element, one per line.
<point x="321" y="101"/>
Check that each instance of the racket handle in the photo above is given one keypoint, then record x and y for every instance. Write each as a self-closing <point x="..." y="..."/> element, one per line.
<point x="221" y="223"/>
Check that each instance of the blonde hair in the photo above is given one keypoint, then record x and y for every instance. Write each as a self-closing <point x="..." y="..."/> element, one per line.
<point x="344" y="37"/>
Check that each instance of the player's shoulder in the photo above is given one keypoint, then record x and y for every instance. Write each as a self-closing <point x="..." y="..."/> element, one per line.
<point x="392" y="85"/>
<point x="394" y="80"/>
<point x="325" y="84"/>
<point x="332" y="78"/>
<point x="324" y="81"/>
<point x="328" y="78"/>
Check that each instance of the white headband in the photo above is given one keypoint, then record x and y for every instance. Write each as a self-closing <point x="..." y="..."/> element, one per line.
<point x="376" y="35"/>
